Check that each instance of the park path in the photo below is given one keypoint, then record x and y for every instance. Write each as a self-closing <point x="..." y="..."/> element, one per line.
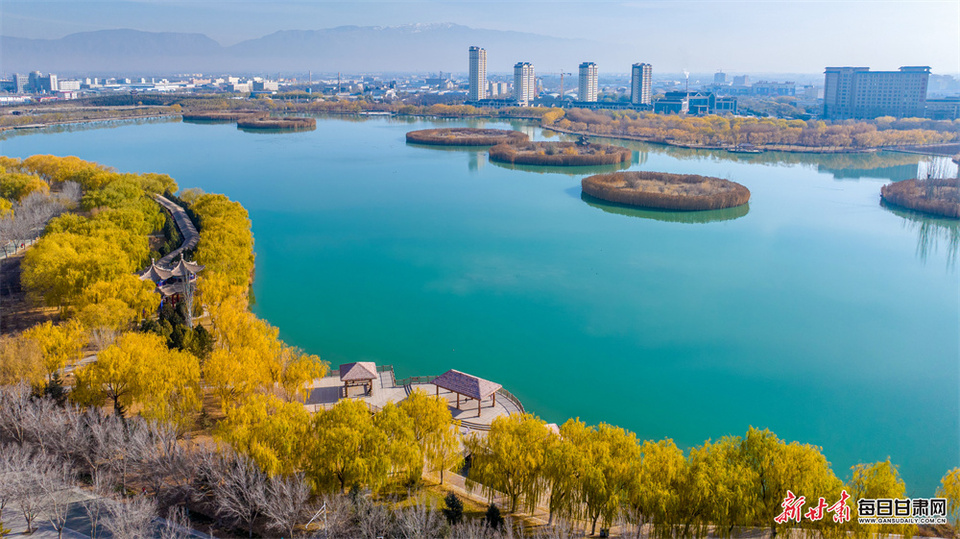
<point x="184" y="225"/>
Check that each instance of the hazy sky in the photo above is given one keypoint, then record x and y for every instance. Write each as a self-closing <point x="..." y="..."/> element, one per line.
<point x="798" y="36"/>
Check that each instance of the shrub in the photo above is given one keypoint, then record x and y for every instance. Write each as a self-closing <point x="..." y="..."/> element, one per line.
<point x="454" y="509"/>
<point x="666" y="191"/>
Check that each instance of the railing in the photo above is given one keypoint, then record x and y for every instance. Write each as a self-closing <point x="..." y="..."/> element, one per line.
<point x="415" y="380"/>
<point x="510" y="397"/>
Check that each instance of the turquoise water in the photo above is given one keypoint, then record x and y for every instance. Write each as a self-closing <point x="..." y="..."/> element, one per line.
<point x="815" y="312"/>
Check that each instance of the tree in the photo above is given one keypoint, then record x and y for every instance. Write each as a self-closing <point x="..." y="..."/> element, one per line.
<point x="950" y="489"/>
<point x="662" y="470"/>
<point x="348" y="449"/>
<point x="270" y="431"/>
<point x="60" y="345"/>
<point x="240" y="491"/>
<point x="876" y="480"/>
<point x="492" y="517"/>
<point x="400" y="450"/>
<point x="131" y="519"/>
<point x="563" y="462"/>
<point x="435" y="430"/>
<point x="21" y="360"/>
<point x="454" y="509"/>
<point x="510" y="458"/>
<point x="286" y="502"/>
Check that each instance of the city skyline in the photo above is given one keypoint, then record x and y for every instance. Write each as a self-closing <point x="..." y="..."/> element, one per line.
<point x="746" y="37"/>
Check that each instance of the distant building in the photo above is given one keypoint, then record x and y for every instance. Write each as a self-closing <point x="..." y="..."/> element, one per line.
<point x="857" y="92"/>
<point x="695" y="103"/>
<point x="741" y="80"/>
<point x="21" y="83"/>
<point x="588" y="82"/>
<point x="265" y="86"/>
<point x="524" y="83"/>
<point x="947" y="108"/>
<point x="719" y="77"/>
<point x="478" y="74"/>
<point x="498" y="89"/>
<point x="774" y="88"/>
<point x="641" y="84"/>
<point x="68" y="85"/>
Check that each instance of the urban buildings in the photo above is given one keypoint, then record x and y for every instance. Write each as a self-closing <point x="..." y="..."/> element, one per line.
<point x="857" y="92"/>
<point x="641" y="84"/>
<point x="498" y="89"/>
<point x="478" y="74"/>
<point x="588" y="82"/>
<point x="719" y="78"/>
<point x="524" y="83"/>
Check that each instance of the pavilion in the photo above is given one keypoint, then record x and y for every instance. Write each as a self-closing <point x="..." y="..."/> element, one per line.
<point x="175" y="283"/>
<point x="360" y="373"/>
<point x="467" y="385"/>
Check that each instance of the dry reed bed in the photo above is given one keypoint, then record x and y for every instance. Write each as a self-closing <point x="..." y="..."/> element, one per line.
<point x="660" y="190"/>
<point x="560" y="154"/>
<point x="935" y="196"/>
<point x="222" y="116"/>
<point x="289" y="124"/>
<point x="466" y="136"/>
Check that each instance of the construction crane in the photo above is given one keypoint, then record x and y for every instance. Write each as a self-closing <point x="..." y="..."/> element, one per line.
<point x="561" y="85"/>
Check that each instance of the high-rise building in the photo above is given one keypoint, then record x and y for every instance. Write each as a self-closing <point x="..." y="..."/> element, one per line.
<point x="478" y="74"/>
<point x="641" y="84"/>
<point x="741" y="80"/>
<point x="524" y="83"/>
<point x="719" y="77"/>
<point x="21" y="83"/>
<point x="857" y="92"/>
<point x="588" y="81"/>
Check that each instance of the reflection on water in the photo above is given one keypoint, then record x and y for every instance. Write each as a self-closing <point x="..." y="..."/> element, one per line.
<point x="86" y="126"/>
<point x="933" y="233"/>
<point x="708" y="216"/>
<point x="574" y="170"/>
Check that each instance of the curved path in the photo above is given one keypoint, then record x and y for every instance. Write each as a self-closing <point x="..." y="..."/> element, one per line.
<point x="184" y="225"/>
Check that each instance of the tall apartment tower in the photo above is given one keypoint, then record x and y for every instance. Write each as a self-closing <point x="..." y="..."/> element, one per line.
<point x="641" y="84"/>
<point x="478" y="74"/>
<point x="857" y="92"/>
<point x="588" y="82"/>
<point x="524" y="83"/>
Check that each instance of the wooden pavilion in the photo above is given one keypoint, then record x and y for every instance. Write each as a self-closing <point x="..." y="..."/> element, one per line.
<point x="176" y="283"/>
<point x="360" y="373"/>
<point x="467" y="385"/>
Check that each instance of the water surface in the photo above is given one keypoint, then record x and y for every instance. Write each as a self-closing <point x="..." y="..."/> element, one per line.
<point x="814" y="312"/>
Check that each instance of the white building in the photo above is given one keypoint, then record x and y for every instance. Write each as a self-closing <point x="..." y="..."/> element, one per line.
<point x="524" y="83"/>
<point x="588" y="82"/>
<point x="478" y="74"/>
<point x="498" y="89"/>
<point x="641" y="84"/>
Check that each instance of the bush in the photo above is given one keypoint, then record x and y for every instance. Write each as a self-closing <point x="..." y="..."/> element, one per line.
<point x="493" y="518"/>
<point x="560" y="154"/>
<point x="666" y="191"/>
<point x="466" y="136"/>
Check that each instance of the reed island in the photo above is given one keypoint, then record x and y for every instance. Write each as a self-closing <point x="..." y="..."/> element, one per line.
<point x="664" y="191"/>
<point x="221" y="115"/>
<point x="560" y="153"/>
<point x="466" y="136"/>
<point x="936" y="196"/>
<point x="272" y="124"/>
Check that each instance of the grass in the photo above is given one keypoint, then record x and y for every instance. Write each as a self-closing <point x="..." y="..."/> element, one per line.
<point x="290" y="124"/>
<point x="560" y="154"/>
<point x="466" y="136"/>
<point x="221" y="115"/>
<point x="661" y="190"/>
<point x="937" y="196"/>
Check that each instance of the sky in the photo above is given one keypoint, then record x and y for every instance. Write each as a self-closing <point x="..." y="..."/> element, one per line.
<point x="759" y="36"/>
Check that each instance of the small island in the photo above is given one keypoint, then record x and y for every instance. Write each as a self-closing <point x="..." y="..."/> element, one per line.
<point x="560" y="153"/>
<point x="221" y="115"/>
<point x="466" y="136"/>
<point x="664" y="191"/>
<point x="282" y="124"/>
<point x="936" y="196"/>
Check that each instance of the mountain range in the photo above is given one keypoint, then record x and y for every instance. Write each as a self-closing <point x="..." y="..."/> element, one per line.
<point x="353" y="49"/>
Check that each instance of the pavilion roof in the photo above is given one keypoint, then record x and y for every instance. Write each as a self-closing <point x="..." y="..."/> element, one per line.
<point x="360" y="370"/>
<point x="466" y="384"/>
<point x="157" y="273"/>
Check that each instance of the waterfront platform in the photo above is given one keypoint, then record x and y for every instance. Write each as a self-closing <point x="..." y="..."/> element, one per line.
<point x="326" y="391"/>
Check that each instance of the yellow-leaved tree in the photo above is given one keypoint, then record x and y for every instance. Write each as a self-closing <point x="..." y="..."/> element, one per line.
<point x="60" y="345"/>
<point x="950" y="489"/>
<point x="274" y="433"/>
<point x="347" y="449"/>
<point x="435" y="430"/>
<point x="876" y="480"/>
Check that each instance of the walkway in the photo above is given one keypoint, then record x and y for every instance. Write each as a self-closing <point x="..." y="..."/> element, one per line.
<point x="325" y="392"/>
<point x="184" y="225"/>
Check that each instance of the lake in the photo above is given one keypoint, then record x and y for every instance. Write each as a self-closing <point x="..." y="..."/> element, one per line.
<point x="815" y="312"/>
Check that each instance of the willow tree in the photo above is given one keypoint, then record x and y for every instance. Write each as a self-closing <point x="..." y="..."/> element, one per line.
<point x="435" y="430"/>
<point x="510" y="459"/>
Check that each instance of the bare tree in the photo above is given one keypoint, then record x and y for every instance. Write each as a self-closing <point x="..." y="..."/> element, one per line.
<point x="102" y="482"/>
<point x="240" y="492"/>
<point x="53" y="482"/>
<point x="131" y="519"/>
<point x="373" y="519"/>
<point x="70" y="194"/>
<point x="27" y="482"/>
<point x="14" y="401"/>
<point x="286" y="503"/>
<point x="14" y="461"/>
<point x="176" y="525"/>
<point x="420" y="520"/>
